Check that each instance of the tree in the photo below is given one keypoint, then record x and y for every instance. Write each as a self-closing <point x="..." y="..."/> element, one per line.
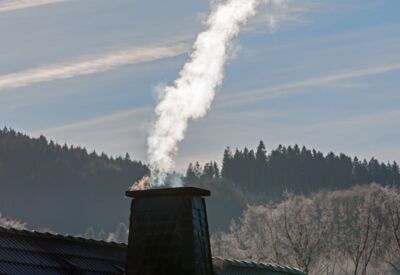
<point x="358" y="220"/>
<point x="290" y="233"/>
<point x="41" y="172"/>
<point x="336" y="232"/>
<point x="216" y="170"/>
<point x="191" y="177"/>
<point x="261" y="154"/>
<point x="208" y="171"/>
<point x="301" y="171"/>
<point x="197" y="170"/>
<point x="391" y="210"/>
<point x="227" y="164"/>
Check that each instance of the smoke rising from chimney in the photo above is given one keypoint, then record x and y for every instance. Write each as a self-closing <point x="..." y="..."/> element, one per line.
<point x="192" y="93"/>
<point x="142" y="184"/>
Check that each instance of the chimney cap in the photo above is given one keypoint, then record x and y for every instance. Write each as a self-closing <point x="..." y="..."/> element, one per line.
<point x="161" y="192"/>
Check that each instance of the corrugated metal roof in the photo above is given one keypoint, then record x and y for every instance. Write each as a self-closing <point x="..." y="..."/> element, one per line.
<point x="231" y="266"/>
<point x="31" y="252"/>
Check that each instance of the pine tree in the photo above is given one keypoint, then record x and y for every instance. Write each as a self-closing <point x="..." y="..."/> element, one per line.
<point x="197" y="170"/>
<point x="191" y="177"/>
<point x="208" y="171"/>
<point x="227" y="161"/>
<point x="261" y="154"/>
<point x="216" y="170"/>
<point x="395" y="174"/>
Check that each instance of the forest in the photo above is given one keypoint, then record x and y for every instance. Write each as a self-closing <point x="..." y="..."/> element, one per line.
<point x="300" y="171"/>
<point x="65" y="189"/>
<point x="351" y="231"/>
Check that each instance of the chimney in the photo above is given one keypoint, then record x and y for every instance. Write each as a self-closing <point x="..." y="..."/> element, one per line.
<point x="168" y="232"/>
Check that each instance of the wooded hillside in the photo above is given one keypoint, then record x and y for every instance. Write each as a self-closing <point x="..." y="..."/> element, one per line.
<point x="63" y="188"/>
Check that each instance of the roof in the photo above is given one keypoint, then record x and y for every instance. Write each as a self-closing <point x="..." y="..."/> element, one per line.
<point x="231" y="266"/>
<point x="32" y="252"/>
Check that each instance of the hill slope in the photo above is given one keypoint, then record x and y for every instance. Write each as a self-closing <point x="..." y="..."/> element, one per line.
<point x="68" y="190"/>
<point x="63" y="188"/>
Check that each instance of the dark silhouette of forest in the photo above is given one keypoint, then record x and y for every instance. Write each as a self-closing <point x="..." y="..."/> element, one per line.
<point x="64" y="188"/>
<point x="293" y="169"/>
<point x="69" y="190"/>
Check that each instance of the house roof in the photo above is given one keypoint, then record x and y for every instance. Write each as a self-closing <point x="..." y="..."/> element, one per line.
<point x="232" y="266"/>
<point x="32" y="252"/>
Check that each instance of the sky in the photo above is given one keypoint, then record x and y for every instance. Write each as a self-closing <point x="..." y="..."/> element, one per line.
<point x="319" y="73"/>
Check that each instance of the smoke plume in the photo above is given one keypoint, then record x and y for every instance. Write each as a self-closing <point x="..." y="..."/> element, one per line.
<point x="142" y="184"/>
<point x="192" y="93"/>
<point x="10" y="223"/>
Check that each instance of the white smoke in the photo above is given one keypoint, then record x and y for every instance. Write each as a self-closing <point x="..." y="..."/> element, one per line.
<point x="10" y="223"/>
<point x="192" y="93"/>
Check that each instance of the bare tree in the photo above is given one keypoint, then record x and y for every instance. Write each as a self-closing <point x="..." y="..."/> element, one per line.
<point x="391" y="209"/>
<point x="306" y="222"/>
<point x="358" y="224"/>
<point x="292" y="232"/>
<point x="328" y="233"/>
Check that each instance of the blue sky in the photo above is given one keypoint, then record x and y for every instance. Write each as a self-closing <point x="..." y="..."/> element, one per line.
<point x="85" y="72"/>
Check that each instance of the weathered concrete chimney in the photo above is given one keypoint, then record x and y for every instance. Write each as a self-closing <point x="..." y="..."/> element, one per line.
<point x="168" y="233"/>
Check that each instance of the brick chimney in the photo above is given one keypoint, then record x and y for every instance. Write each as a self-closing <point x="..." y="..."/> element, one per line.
<point x="168" y="233"/>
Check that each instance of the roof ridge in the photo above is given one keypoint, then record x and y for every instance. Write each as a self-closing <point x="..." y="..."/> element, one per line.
<point x="49" y="235"/>
<point x="260" y="264"/>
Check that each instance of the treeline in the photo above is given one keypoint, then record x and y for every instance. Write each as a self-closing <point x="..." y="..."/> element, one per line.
<point x="63" y="187"/>
<point x="294" y="169"/>
<point x="352" y="231"/>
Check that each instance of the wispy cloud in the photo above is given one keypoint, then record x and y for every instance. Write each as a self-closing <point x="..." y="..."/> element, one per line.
<point x="276" y="13"/>
<point x="11" y="5"/>
<point x="89" y="65"/>
<point x="97" y="121"/>
<point x="278" y="90"/>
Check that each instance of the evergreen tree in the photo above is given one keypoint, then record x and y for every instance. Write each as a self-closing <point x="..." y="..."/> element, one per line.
<point x="261" y="154"/>
<point x="301" y="170"/>
<point x="216" y="170"/>
<point x="191" y="176"/>
<point x="61" y="178"/>
<point x="197" y="170"/>
<point x="227" y="167"/>
<point x="208" y="171"/>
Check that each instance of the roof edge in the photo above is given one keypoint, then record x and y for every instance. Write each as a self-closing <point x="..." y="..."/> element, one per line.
<point x="56" y="236"/>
